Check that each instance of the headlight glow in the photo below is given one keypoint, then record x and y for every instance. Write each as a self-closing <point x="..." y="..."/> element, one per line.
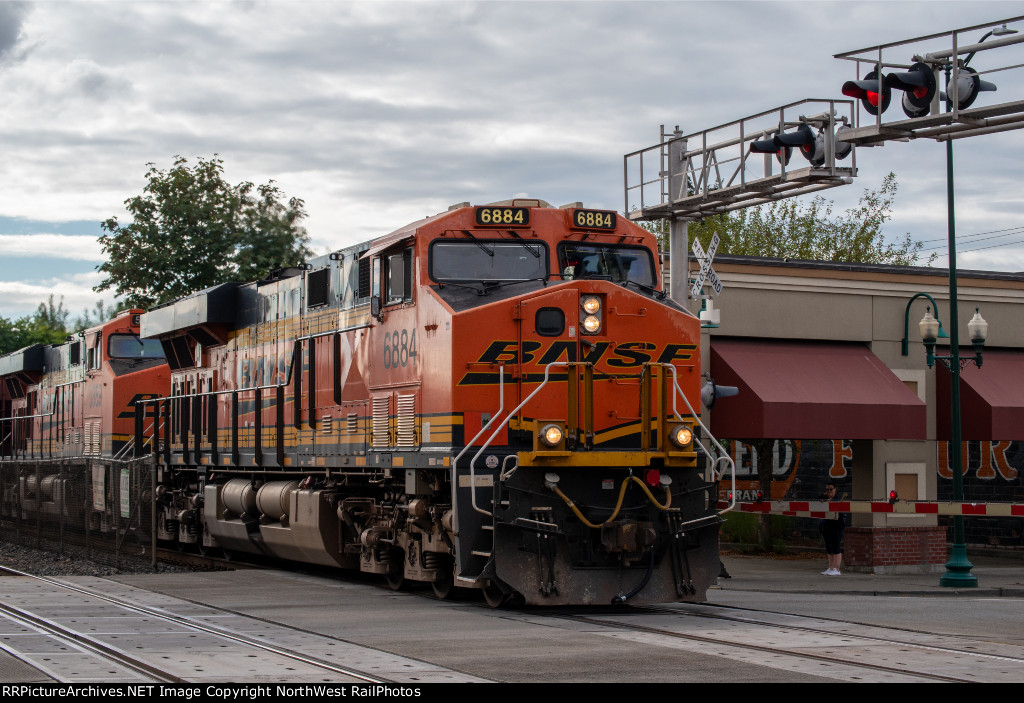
<point x="682" y="435"/>
<point x="591" y="305"/>
<point x="551" y="435"/>
<point x="591" y="324"/>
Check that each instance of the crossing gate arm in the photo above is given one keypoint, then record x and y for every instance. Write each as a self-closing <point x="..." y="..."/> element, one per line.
<point x="823" y="509"/>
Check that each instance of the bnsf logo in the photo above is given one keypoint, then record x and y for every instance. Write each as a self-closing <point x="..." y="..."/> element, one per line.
<point x="624" y="355"/>
<point x="130" y="412"/>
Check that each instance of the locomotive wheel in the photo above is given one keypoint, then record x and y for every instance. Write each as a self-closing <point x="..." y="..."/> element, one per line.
<point x="395" y="581"/>
<point x="494" y="596"/>
<point x="444" y="587"/>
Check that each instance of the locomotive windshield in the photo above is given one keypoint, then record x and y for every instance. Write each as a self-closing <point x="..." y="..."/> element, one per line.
<point x="130" y="346"/>
<point x="610" y="262"/>
<point x="482" y="260"/>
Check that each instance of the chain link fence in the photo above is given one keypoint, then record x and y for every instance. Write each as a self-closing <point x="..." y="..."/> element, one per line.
<point x="101" y="509"/>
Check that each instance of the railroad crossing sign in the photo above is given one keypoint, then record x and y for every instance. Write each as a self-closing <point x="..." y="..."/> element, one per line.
<point x="706" y="272"/>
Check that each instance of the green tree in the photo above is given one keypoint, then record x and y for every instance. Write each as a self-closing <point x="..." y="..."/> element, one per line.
<point x="191" y="229"/>
<point x="90" y="318"/>
<point x="47" y="325"/>
<point x="788" y="229"/>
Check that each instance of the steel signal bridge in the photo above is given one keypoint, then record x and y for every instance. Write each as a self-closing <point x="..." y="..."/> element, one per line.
<point x="688" y="177"/>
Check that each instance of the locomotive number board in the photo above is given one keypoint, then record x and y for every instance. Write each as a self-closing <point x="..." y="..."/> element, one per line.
<point x="501" y="216"/>
<point x="593" y="219"/>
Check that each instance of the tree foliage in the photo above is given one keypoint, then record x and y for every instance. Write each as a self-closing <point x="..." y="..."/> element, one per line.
<point x="49" y="324"/>
<point x="191" y="229"/>
<point x="788" y="229"/>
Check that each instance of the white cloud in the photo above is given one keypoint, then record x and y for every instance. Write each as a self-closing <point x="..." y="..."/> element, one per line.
<point x="379" y="113"/>
<point x="18" y="298"/>
<point x="60" y="246"/>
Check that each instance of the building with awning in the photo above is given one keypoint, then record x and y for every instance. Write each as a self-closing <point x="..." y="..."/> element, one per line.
<point x="816" y="351"/>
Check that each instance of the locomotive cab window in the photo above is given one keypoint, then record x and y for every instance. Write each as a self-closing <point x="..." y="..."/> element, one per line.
<point x="606" y="261"/>
<point x="131" y="346"/>
<point x="392" y="277"/>
<point x="92" y="354"/>
<point x="488" y="260"/>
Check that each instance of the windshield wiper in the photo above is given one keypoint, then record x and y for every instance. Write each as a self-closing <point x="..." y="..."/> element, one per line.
<point x="489" y="252"/>
<point x="659" y="294"/>
<point x="480" y="289"/>
<point x="529" y="247"/>
<point x="485" y="286"/>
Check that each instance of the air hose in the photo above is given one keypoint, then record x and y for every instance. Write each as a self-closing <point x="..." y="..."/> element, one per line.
<point x="619" y="600"/>
<point x="618" y="505"/>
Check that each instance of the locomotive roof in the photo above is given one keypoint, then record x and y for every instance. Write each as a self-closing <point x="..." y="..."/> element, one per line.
<point x="28" y="358"/>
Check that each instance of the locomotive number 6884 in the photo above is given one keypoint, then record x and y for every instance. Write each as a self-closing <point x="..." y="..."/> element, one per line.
<point x="497" y="397"/>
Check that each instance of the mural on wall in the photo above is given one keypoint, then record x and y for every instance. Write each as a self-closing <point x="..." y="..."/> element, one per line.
<point x="800" y="469"/>
<point x="993" y="472"/>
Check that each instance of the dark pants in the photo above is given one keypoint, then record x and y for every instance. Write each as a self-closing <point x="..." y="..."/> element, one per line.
<point x="832" y="531"/>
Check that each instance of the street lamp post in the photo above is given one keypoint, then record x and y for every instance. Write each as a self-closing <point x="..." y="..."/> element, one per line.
<point x="958" y="568"/>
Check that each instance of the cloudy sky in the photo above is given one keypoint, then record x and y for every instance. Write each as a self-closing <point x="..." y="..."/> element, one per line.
<point x="379" y="113"/>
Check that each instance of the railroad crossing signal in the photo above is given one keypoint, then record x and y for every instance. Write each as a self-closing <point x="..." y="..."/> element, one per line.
<point x="706" y="272"/>
<point x="917" y="83"/>
<point x="968" y="85"/>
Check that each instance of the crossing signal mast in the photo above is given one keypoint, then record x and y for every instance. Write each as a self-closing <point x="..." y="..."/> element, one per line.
<point x="932" y="113"/>
<point x="688" y="177"/>
<point x="923" y="105"/>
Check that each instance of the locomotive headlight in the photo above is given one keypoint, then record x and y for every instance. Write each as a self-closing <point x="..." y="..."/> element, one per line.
<point x="551" y="435"/>
<point x="682" y="436"/>
<point x="590" y="311"/>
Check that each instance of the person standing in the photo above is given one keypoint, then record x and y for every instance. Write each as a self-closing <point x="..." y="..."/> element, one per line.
<point x="832" y="532"/>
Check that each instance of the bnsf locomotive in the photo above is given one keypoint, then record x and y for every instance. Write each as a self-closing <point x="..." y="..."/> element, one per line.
<point x="498" y="397"/>
<point x="67" y="410"/>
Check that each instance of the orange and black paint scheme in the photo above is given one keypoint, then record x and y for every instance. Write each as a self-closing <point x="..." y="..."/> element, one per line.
<point x="487" y="398"/>
<point x="74" y="405"/>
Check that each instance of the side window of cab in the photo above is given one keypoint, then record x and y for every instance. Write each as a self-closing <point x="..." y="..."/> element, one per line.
<point x="392" y="278"/>
<point x="92" y="354"/>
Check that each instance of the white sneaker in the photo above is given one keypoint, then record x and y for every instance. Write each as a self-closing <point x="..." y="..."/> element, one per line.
<point x="826" y="572"/>
<point x="833" y="572"/>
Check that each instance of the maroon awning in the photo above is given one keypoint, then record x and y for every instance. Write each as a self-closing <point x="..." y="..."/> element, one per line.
<point x="991" y="398"/>
<point x="810" y="390"/>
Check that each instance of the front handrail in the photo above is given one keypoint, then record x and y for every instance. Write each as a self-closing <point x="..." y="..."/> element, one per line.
<point x="512" y="413"/>
<point x="723" y="454"/>
<point x="455" y="461"/>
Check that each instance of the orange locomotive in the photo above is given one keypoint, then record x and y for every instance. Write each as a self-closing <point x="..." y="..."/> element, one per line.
<point x="498" y="397"/>
<point x="70" y="408"/>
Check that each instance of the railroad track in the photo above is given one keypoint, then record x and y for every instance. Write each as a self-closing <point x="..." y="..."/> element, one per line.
<point x="817" y="646"/>
<point x="128" y="640"/>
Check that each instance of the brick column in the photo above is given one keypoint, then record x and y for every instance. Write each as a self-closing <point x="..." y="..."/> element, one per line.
<point x="895" y="550"/>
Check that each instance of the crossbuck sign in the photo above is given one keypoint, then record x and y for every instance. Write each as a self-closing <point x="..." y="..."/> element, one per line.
<point x="706" y="272"/>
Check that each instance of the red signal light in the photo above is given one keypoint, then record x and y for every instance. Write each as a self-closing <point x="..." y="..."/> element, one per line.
<point x="867" y="92"/>
<point x="893" y="497"/>
<point x="919" y="87"/>
<point x="652" y="478"/>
